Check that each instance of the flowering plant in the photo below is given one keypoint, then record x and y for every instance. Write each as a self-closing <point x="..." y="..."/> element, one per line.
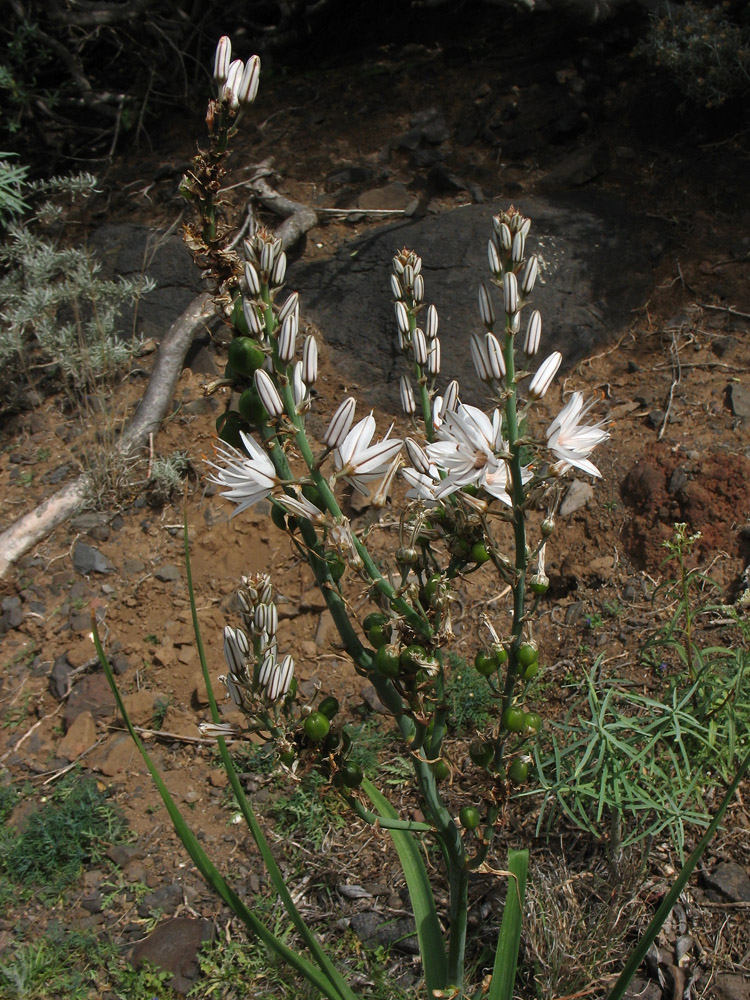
<point x="482" y="489"/>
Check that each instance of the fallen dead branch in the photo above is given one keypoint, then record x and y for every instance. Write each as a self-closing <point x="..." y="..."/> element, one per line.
<point x="30" y="529"/>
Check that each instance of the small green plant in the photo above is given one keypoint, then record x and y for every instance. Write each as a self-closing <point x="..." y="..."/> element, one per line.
<point x="74" y="825"/>
<point x="12" y="180"/>
<point x="470" y="701"/>
<point x="167" y="475"/>
<point x="308" y="811"/>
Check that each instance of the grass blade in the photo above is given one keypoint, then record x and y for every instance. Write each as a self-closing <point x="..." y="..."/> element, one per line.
<point x="431" y="944"/>
<point x="509" y="941"/>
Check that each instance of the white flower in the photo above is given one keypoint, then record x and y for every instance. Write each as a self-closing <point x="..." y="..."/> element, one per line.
<point x="570" y="442"/>
<point x="467" y="452"/>
<point x="358" y="461"/>
<point x="246" y="479"/>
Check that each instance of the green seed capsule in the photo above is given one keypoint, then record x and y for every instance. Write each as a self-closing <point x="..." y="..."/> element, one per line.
<point x="512" y="720"/>
<point x="245" y="356"/>
<point x="329" y="706"/>
<point x="469" y="817"/>
<point x="316" y="727"/>
<point x="518" y="771"/>
<point x="481" y="752"/>
<point x="527" y="654"/>
<point x="485" y="663"/>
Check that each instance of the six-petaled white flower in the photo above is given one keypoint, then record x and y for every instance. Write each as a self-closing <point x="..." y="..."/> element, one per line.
<point x="360" y="462"/>
<point x="572" y="443"/>
<point x="468" y="452"/>
<point x="246" y="478"/>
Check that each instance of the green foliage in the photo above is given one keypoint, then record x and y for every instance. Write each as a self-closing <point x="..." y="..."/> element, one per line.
<point x="470" y="699"/>
<point x="707" y="54"/>
<point x="12" y="179"/>
<point x="59" y="315"/>
<point x="308" y="811"/>
<point x="75" y="825"/>
<point x="167" y="475"/>
<point x="632" y="766"/>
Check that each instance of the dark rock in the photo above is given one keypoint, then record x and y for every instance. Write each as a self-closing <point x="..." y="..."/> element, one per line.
<point x="57" y="475"/>
<point x="595" y="274"/>
<point x="167" y="573"/>
<point x="378" y="931"/>
<point x="122" y="854"/>
<point x="731" y="987"/>
<point x="165" y="899"/>
<point x="174" y="946"/>
<point x="91" y="694"/>
<point x="58" y="677"/>
<point x="87" y="559"/>
<point x="655" y="419"/>
<point x="677" y="480"/>
<point x="11" y="603"/>
<point x="80" y="621"/>
<point x="93" y="902"/>
<point x="739" y="400"/>
<point x="120" y="663"/>
<point x="727" y="882"/>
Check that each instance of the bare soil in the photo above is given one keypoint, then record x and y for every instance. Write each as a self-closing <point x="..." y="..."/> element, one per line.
<point x="671" y="384"/>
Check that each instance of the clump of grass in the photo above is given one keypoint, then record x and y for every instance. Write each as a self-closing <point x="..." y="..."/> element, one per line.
<point x="470" y="700"/>
<point x="74" y="826"/>
<point x="167" y="475"/>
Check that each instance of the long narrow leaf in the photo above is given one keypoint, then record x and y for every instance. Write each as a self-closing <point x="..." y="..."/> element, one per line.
<point x="326" y="965"/>
<point x="431" y="945"/>
<point x="509" y="941"/>
<point x="639" y="952"/>
<point x="201" y="860"/>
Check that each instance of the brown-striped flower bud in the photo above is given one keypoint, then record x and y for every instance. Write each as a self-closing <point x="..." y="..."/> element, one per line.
<point x="479" y="357"/>
<point x="279" y="270"/>
<point x="268" y="393"/>
<point x="287" y="341"/>
<point x="433" y="357"/>
<point x="494" y="354"/>
<point x="431" y="329"/>
<point x="251" y="278"/>
<point x="407" y="396"/>
<point x="510" y="293"/>
<point x="291" y="305"/>
<point x="544" y="376"/>
<point x="402" y="318"/>
<point x="396" y="288"/>
<point x="310" y="360"/>
<point x="518" y="248"/>
<point x="496" y="265"/>
<point x="533" y="334"/>
<point x="341" y="423"/>
<point x="222" y="60"/>
<point x="248" y="85"/>
<point x="419" y="343"/>
<point x="486" y="309"/>
<point x="530" y="275"/>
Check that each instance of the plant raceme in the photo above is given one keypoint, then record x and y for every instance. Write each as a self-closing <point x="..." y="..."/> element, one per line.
<point x="478" y="484"/>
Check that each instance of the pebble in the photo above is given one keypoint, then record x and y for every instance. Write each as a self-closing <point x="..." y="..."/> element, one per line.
<point x="87" y="559"/>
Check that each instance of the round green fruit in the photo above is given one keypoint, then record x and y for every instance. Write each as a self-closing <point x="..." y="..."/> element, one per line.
<point x="501" y="653"/>
<point x="329" y="706"/>
<point x="485" y="663"/>
<point x="518" y="771"/>
<point x="530" y="672"/>
<point x="412" y="655"/>
<point x="374" y="618"/>
<point x="316" y="727"/>
<point x="245" y="356"/>
<point x="532" y="722"/>
<point x="481" y="752"/>
<point x="388" y="660"/>
<point x="479" y="553"/>
<point x="250" y="406"/>
<point x="527" y="654"/>
<point x="229" y="426"/>
<point x="469" y="817"/>
<point x="512" y="720"/>
<point x="352" y="775"/>
<point x="441" y="770"/>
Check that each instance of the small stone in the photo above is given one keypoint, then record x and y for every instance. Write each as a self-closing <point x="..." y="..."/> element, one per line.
<point x="577" y="496"/>
<point x="120" y="663"/>
<point x="91" y="694"/>
<point x="727" y="882"/>
<point x="174" y="946"/>
<point x="739" y="400"/>
<point x="81" y="736"/>
<point x="121" y="758"/>
<point x="376" y="930"/>
<point x="87" y="559"/>
<point x="58" y="677"/>
<point x="217" y="778"/>
<point x="167" y="573"/>
<point x="166" y="899"/>
<point x="573" y="612"/>
<point x="731" y="987"/>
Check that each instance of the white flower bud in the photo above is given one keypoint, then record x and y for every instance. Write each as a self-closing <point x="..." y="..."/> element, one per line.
<point x="248" y="86"/>
<point x="494" y="354"/>
<point x="396" y="289"/>
<point x="282" y="679"/>
<point x="544" y="376"/>
<point x="431" y="329"/>
<point x="533" y="334"/>
<point x="450" y="395"/>
<point x="510" y="293"/>
<point x="287" y="341"/>
<point x="402" y="318"/>
<point x="299" y="389"/>
<point x="479" y="358"/>
<point x="408" y="276"/>
<point x="407" y="396"/>
<point x="268" y="393"/>
<point x="341" y="423"/>
<point x="486" y="310"/>
<point x="291" y="305"/>
<point x="518" y="248"/>
<point x="417" y="456"/>
<point x="496" y="265"/>
<point x="252" y="318"/>
<point x="419" y="343"/>
<point x="267" y="256"/>
<point x="398" y="267"/>
<point x="279" y="270"/>
<point x="530" y="275"/>
<point x="433" y="358"/>
<point x="252" y="279"/>
<point x="504" y="236"/>
<point x="418" y="288"/>
<point x="416" y="263"/>
<point x="222" y="60"/>
<point x="236" y="649"/>
<point x="310" y="360"/>
<point x="266" y="669"/>
<point x="231" y="86"/>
